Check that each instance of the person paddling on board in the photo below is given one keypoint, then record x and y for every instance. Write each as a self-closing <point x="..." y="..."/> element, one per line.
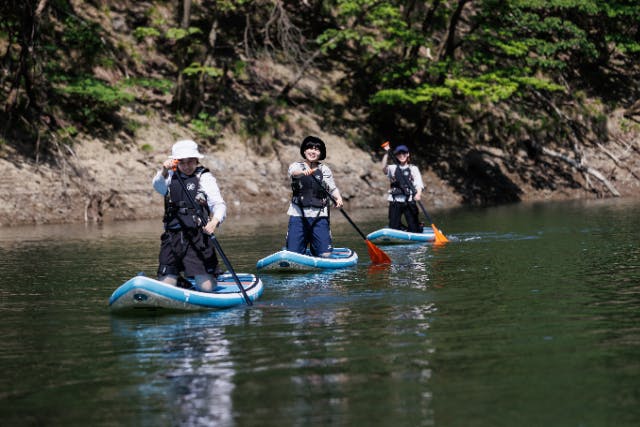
<point x="402" y="197"/>
<point x="185" y="244"/>
<point x="309" y="208"/>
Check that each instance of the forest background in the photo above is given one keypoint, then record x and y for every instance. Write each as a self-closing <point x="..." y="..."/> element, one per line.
<point x="499" y="101"/>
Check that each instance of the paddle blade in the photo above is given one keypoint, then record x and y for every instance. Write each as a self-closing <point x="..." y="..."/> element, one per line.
<point x="440" y="238"/>
<point x="377" y="255"/>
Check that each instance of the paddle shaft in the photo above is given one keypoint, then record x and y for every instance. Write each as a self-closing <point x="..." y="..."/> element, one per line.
<point x="215" y="242"/>
<point x="341" y="210"/>
<point x="377" y="255"/>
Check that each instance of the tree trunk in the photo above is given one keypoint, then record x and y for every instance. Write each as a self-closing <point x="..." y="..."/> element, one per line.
<point x="448" y="48"/>
<point x="179" y="96"/>
<point x="209" y="61"/>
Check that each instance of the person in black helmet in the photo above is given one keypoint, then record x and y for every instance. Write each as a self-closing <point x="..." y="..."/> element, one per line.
<point x="309" y="208"/>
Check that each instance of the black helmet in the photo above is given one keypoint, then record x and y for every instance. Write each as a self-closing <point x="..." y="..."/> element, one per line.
<point x="313" y="141"/>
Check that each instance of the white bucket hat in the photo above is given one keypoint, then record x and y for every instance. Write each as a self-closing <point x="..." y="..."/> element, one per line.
<point x="185" y="149"/>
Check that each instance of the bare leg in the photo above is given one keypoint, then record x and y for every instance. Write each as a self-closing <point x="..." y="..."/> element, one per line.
<point x="169" y="278"/>
<point x="205" y="282"/>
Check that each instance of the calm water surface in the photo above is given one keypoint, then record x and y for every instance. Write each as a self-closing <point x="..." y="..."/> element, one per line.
<point x="529" y="317"/>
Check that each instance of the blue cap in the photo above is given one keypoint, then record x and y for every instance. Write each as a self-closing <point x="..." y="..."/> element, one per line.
<point x="400" y="148"/>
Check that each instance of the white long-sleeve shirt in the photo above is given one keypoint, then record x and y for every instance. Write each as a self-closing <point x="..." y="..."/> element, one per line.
<point x="327" y="181"/>
<point x="208" y="185"/>
<point x="417" y="181"/>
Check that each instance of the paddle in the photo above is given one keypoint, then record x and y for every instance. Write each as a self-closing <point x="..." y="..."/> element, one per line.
<point x="377" y="255"/>
<point x="440" y="238"/>
<point x="216" y="244"/>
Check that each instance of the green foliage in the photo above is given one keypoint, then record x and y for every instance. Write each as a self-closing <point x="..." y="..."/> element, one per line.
<point x="90" y="99"/>
<point x="181" y="33"/>
<point x="205" y="126"/>
<point x="374" y="26"/>
<point x="538" y="83"/>
<point x="195" y="68"/>
<point x="240" y="70"/>
<point x="492" y="87"/>
<point x="399" y="51"/>
<point x="132" y="126"/>
<point x="82" y="36"/>
<point x="627" y="125"/>
<point x="489" y="88"/>
<point x="423" y="94"/>
<point x="265" y="117"/>
<point x="231" y="5"/>
<point x="147" y="148"/>
<point x="498" y="86"/>
<point x="146" y="32"/>
<point x="515" y="48"/>
<point x="629" y="47"/>
<point x="67" y="134"/>
<point x="163" y="85"/>
<point x="95" y="91"/>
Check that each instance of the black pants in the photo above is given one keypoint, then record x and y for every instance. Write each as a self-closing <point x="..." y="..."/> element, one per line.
<point x="189" y="251"/>
<point x="410" y="212"/>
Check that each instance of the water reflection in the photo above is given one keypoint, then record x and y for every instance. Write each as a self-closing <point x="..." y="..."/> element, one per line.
<point x="187" y="361"/>
<point x="529" y="308"/>
<point x="52" y="233"/>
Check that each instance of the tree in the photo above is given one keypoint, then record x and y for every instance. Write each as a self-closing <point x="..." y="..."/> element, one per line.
<point x="22" y="25"/>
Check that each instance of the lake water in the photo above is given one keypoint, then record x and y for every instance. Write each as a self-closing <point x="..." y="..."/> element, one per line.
<point x="530" y="316"/>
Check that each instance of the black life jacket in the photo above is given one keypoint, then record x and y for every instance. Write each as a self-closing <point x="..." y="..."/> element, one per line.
<point x="179" y="211"/>
<point x="402" y="183"/>
<point x="308" y="191"/>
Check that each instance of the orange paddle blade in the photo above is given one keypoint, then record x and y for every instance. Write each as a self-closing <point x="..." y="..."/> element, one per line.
<point x="440" y="238"/>
<point x="377" y="255"/>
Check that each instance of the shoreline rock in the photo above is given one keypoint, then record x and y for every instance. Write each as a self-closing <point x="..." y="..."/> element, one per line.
<point x="96" y="184"/>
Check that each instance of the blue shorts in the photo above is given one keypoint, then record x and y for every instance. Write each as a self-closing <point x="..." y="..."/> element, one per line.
<point x="309" y="231"/>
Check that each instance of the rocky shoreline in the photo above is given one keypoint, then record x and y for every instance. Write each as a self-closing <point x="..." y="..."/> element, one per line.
<point x="92" y="183"/>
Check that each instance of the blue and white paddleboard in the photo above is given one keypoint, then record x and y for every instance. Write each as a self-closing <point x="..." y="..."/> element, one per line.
<point x="392" y="236"/>
<point x="287" y="260"/>
<point x="141" y="292"/>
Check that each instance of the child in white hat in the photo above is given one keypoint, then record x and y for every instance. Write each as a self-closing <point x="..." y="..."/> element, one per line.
<point x="185" y="244"/>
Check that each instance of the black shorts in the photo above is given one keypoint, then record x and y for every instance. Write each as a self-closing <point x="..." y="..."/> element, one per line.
<point x="188" y="251"/>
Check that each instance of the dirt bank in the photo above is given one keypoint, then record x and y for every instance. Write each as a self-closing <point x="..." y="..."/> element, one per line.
<point x="107" y="182"/>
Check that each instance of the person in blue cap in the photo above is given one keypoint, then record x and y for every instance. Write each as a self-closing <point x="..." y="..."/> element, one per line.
<point x="406" y="188"/>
